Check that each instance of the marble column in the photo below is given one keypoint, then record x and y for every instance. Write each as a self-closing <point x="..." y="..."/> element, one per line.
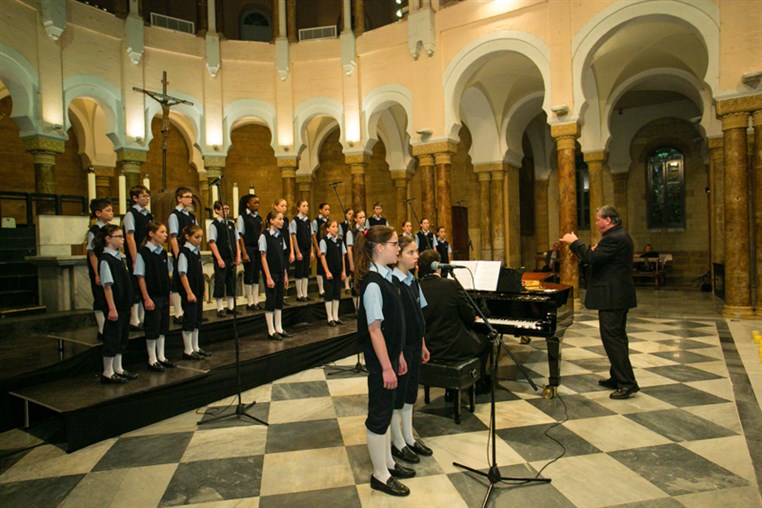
<point x="44" y="152"/>
<point x="304" y="190"/>
<point x="541" y="226"/>
<point x="512" y="216"/>
<point x="400" y="179"/>
<point x="358" y="163"/>
<point x="131" y="162"/>
<point x="104" y="176"/>
<point x="595" y="162"/>
<point x="485" y="209"/>
<point x="565" y="136"/>
<point x="756" y="122"/>
<point x="443" y="161"/>
<point x="428" y="195"/>
<point x="497" y="215"/>
<point x="620" y="194"/>
<point x="737" y="258"/>
<point x="716" y="202"/>
<point x="288" y="167"/>
<point x="359" y="14"/>
<point x="291" y="21"/>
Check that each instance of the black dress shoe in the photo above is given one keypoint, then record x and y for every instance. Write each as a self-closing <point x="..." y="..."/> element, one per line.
<point x="405" y="454"/>
<point x="221" y="313"/>
<point x="232" y="311"/>
<point x="275" y="336"/>
<point x="178" y="320"/>
<point x="167" y="364"/>
<point x="391" y="487"/>
<point x="421" y="449"/>
<point x="340" y="322"/>
<point x="284" y="334"/>
<point x="156" y="367"/>
<point x="608" y="383"/>
<point x="115" y="379"/>
<point x="332" y="323"/>
<point x="203" y="352"/>
<point x="251" y="307"/>
<point x="624" y="393"/>
<point x="400" y="471"/>
<point x="261" y="306"/>
<point x="126" y="374"/>
<point x="136" y="328"/>
<point x="192" y="356"/>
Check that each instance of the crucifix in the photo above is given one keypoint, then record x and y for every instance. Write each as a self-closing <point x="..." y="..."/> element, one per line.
<point x="166" y="101"/>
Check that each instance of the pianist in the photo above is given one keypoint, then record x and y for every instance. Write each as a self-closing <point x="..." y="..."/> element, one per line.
<point x="449" y="319"/>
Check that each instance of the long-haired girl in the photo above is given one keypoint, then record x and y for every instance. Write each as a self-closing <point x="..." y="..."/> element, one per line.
<point x="274" y="252"/>
<point x="192" y="282"/>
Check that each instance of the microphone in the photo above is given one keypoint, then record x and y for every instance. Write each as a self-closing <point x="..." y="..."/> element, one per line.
<point x="215" y="181"/>
<point x="334" y="184"/>
<point x="436" y="265"/>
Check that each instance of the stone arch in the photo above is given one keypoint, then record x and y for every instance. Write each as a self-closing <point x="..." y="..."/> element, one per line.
<point x="381" y="99"/>
<point x="486" y="145"/>
<point x="106" y="95"/>
<point x="515" y="123"/>
<point x="395" y="139"/>
<point x="311" y="108"/>
<point x="22" y="82"/>
<point x="246" y="108"/>
<point x="188" y="118"/>
<point x="468" y="59"/>
<point x="310" y="157"/>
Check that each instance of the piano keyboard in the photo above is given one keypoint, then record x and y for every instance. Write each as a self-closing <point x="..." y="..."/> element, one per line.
<point x="516" y="323"/>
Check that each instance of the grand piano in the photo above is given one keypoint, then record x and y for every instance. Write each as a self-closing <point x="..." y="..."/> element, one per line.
<point x="546" y="312"/>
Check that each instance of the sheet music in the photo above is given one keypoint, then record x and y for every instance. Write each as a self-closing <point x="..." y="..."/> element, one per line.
<point x="485" y="275"/>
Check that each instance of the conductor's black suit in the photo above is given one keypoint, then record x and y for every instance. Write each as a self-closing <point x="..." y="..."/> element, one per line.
<point x="610" y="290"/>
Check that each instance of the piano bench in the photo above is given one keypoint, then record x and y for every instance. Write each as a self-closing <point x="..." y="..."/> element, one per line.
<point x="456" y="376"/>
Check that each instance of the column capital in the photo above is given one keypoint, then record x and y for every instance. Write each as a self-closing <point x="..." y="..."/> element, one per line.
<point x="103" y="171"/>
<point x="565" y="130"/>
<point x="214" y="163"/>
<point x="443" y="158"/>
<point x="714" y="143"/>
<point x="400" y="178"/>
<point x="756" y="118"/>
<point x="738" y="104"/>
<point x="131" y="155"/>
<point x="304" y="181"/>
<point x="287" y="162"/>
<point x="498" y="174"/>
<point x="287" y="172"/>
<point x="595" y="156"/>
<point x="44" y="144"/>
<point x="484" y="176"/>
<point x="353" y="159"/>
<point x="425" y="159"/>
<point x="737" y="120"/>
<point x="434" y="148"/>
<point x="488" y="167"/>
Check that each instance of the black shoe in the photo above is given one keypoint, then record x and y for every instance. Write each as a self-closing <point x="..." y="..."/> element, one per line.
<point x="136" y="328"/>
<point x="321" y="295"/>
<point x="284" y="334"/>
<point x="275" y="336"/>
<point x="178" y="320"/>
<point x="233" y="311"/>
<point x="100" y="337"/>
<point x="401" y="471"/>
<point x="115" y="379"/>
<point x="421" y="449"/>
<point x="221" y="313"/>
<point x="608" y="383"/>
<point x="331" y="323"/>
<point x="126" y="374"/>
<point x="405" y="454"/>
<point x="624" y="393"/>
<point x="168" y="364"/>
<point x="156" y="367"/>
<point x="306" y="299"/>
<point x="391" y="487"/>
<point x="285" y="303"/>
<point x="251" y="307"/>
<point x="261" y="306"/>
<point x="203" y="353"/>
<point x="340" y="322"/>
<point x="192" y="356"/>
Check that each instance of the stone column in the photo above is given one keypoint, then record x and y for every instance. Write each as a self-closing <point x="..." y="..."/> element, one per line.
<point x="620" y="194"/>
<point x="131" y="162"/>
<point x="541" y="226"/>
<point x="443" y="161"/>
<point x="756" y="193"/>
<point x="215" y="167"/>
<point x="357" y="164"/>
<point x="304" y="189"/>
<point x="44" y="151"/>
<point x="716" y="202"/>
<point x="497" y="216"/>
<point x="512" y="217"/>
<point x="103" y="178"/>
<point x="565" y="136"/>
<point x="485" y="209"/>
<point x="428" y="195"/>
<point x="400" y="179"/>
<point x="288" y="167"/>
<point x="359" y="12"/>
<point x="737" y="258"/>
<point x="291" y="29"/>
<point x="594" y="162"/>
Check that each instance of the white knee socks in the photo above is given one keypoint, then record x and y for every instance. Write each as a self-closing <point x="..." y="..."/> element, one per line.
<point x="187" y="342"/>
<point x="269" y="321"/>
<point x="329" y="311"/>
<point x="195" y="340"/>
<point x="231" y="303"/>
<point x="108" y="366"/>
<point x="335" y="309"/>
<point x="135" y="314"/>
<point x="320" y="284"/>
<point x="160" y="349"/>
<point x="177" y="303"/>
<point x="100" y="319"/>
<point x="407" y="424"/>
<point x="397" y="440"/>
<point x="277" y="321"/>
<point x="151" y="348"/>
<point x="377" y="450"/>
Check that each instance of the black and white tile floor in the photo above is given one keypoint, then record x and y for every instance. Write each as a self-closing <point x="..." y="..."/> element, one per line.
<point x="691" y="437"/>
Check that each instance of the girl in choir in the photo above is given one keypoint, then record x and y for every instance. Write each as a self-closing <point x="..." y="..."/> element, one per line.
<point x="324" y="210"/>
<point x="223" y="242"/>
<point x="102" y="211"/>
<point x="381" y="332"/>
<point x="345" y="227"/>
<point x="424" y="239"/>
<point x="404" y="445"/>
<point x="281" y="206"/>
<point x="274" y="252"/>
<point x="117" y="290"/>
<point x="152" y="272"/>
<point x="249" y="229"/>
<point x="359" y="227"/>
<point x="301" y="237"/>
<point x="192" y="294"/>
<point x="407" y="229"/>
<point x="332" y="252"/>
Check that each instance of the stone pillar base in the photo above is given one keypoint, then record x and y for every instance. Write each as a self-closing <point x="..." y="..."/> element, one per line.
<point x="737" y="312"/>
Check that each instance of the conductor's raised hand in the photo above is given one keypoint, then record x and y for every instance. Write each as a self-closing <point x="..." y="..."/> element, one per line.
<point x="569" y="238"/>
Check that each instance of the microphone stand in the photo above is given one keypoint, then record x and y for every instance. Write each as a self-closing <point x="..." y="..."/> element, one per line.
<point x="359" y="367"/>
<point x="409" y="202"/>
<point x="240" y="412"/>
<point x="496" y="339"/>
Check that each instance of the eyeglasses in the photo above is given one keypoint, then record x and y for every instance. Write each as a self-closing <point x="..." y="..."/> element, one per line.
<point x="188" y="196"/>
<point x="391" y="243"/>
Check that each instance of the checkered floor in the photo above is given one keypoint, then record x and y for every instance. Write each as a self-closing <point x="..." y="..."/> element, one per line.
<point x="684" y="440"/>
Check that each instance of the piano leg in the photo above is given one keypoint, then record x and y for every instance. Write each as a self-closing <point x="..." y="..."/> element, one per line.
<point x="554" y="367"/>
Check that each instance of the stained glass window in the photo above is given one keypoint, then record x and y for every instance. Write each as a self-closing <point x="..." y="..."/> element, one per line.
<point x="666" y="189"/>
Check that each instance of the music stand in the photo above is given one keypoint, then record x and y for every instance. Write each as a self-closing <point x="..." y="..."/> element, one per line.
<point x="496" y="339"/>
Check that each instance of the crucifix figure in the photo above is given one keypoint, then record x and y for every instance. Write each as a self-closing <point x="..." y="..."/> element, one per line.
<point x="166" y="101"/>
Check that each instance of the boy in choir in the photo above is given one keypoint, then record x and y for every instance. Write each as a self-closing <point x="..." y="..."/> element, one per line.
<point x="301" y="236"/>
<point x="424" y="238"/>
<point x="317" y="224"/>
<point x="134" y="224"/>
<point x="222" y="242"/>
<point x="333" y="250"/>
<point x="443" y="248"/>
<point x="274" y="253"/>
<point x="102" y="211"/>
<point x="180" y="218"/>
<point x="377" y="219"/>
<point x="249" y="229"/>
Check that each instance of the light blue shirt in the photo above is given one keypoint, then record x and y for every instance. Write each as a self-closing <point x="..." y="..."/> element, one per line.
<point x="182" y="261"/>
<point x="372" y="299"/>
<point x="242" y="224"/>
<point x="140" y="264"/>
<point x="350" y="239"/>
<point x="334" y="239"/>
<point x="174" y="226"/>
<point x="263" y="240"/>
<point x="433" y="241"/>
<point x="91" y="236"/>
<point x="128" y="222"/>
<point x="212" y="233"/>
<point x="408" y="279"/>
<point x="107" y="277"/>
<point x="292" y="224"/>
